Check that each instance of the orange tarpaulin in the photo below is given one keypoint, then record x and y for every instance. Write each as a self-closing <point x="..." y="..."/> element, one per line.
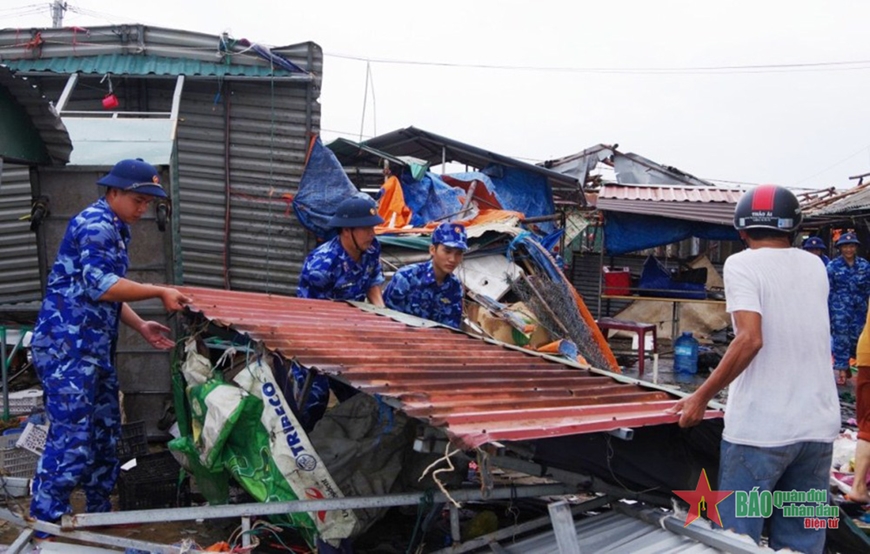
<point x="392" y="205"/>
<point x="483" y="217"/>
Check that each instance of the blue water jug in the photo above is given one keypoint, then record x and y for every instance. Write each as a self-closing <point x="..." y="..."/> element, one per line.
<point x="686" y="354"/>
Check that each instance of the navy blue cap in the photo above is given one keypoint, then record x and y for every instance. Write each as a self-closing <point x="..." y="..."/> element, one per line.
<point x="848" y="238"/>
<point x="451" y="235"/>
<point x="356" y="211"/>
<point x="135" y="176"/>
<point x="814" y="243"/>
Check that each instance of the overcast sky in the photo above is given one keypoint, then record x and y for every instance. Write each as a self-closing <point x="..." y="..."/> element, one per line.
<point x="743" y="91"/>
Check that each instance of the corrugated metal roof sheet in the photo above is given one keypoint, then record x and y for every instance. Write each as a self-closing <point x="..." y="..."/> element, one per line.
<point x="623" y="168"/>
<point x="670" y="193"/>
<point x="612" y="532"/>
<point x="478" y="391"/>
<point x="45" y="119"/>
<point x="858" y="201"/>
<point x="424" y="145"/>
<point x="708" y="204"/>
<point x="146" y="50"/>
<point x="124" y="64"/>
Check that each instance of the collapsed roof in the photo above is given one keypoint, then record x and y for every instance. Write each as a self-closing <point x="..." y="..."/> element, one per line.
<point x="478" y="391"/>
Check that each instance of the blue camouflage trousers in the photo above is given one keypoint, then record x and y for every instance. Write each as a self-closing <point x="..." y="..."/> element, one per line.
<point x="81" y="401"/>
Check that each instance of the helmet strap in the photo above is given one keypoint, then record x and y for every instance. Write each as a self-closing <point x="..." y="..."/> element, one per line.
<point x="353" y="247"/>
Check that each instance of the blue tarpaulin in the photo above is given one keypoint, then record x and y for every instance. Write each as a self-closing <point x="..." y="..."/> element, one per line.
<point x="517" y="190"/>
<point x="430" y="199"/>
<point x="629" y="232"/>
<point x="323" y="186"/>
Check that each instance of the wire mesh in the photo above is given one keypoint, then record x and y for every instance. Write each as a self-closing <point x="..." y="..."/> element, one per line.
<point x="555" y="309"/>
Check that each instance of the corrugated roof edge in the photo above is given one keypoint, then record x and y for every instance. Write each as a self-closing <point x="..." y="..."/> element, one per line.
<point x="137" y="39"/>
<point x="46" y="120"/>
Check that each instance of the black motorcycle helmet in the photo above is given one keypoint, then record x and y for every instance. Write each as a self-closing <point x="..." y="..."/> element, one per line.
<point x="768" y="207"/>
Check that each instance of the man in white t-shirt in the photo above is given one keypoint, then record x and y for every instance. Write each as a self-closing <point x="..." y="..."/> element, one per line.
<point x="782" y="413"/>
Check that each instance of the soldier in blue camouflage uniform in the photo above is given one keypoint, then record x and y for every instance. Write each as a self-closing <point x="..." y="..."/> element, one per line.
<point x="815" y="245"/>
<point x="429" y="289"/>
<point x="74" y="342"/>
<point x="849" y="277"/>
<point x="348" y="267"/>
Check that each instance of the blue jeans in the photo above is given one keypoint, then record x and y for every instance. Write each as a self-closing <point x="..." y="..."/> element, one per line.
<point x="803" y="466"/>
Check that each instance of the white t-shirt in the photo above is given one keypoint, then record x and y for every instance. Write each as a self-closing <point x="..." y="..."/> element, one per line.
<point x="787" y="394"/>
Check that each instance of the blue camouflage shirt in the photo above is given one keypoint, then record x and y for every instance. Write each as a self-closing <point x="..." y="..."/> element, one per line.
<point x="330" y="273"/>
<point x="847" y="304"/>
<point x="414" y="290"/>
<point x="92" y="257"/>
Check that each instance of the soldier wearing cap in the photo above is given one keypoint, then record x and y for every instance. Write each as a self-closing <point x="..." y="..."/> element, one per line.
<point x="74" y="340"/>
<point x="849" y="278"/>
<point x="348" y="267"/>
<point x="815" y="245"/>
<point x="429" y="289"/>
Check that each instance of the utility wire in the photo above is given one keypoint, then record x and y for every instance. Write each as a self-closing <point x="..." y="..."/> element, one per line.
<point x="23" y="12"/>
<point x="724" y="69"/>
<point x="832" y="166"/>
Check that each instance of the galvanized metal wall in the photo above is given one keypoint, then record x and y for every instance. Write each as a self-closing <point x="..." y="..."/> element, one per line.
<point x="19" y="271"/>
<point x="240" y="160"/>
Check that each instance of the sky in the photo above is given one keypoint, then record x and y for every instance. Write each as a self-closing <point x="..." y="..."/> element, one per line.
<point x="740" y="92"/>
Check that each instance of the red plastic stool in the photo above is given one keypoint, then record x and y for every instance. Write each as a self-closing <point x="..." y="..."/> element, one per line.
<point x="607" y="323"/>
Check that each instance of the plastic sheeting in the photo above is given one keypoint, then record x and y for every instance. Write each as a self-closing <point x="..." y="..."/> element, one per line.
<point x="323" y="186"/>
<point x="430" y="199"/>
<point x="516" y="190"/>
<point x="628" y="232"/>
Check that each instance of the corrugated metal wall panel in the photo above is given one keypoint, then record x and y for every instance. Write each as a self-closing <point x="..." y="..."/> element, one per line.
<point x="267" y="143"/>
<point x="19" y="264"/>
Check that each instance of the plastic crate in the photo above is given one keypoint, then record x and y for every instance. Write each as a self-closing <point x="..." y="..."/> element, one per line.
<point x="23" y="401"/>
<point x="134" y="441"/>
<point x="14" y="461"/>
<point x="617" y="281"/>
<point x="153" y="483"/>
<point x="33" y="438"/>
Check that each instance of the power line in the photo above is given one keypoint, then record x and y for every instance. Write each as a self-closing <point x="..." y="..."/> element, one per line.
<point x="723" y="69"/>
<point x="832" y="166"/>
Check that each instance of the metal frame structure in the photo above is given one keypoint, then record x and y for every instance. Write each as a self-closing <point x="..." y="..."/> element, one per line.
<point x="71" y="526"/>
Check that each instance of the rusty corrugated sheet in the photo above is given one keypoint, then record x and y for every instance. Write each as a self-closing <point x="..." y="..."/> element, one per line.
<point x="479" y="391"/>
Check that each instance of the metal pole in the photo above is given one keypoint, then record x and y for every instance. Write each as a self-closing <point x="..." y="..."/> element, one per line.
<point x="600" y="272"/>
<point x="5" y="373"/>
<point x="272" y="508"/>
<point x="57" y="10"/>
<point x="67" y="92"/>
<point x="246" y="536"/>
<point x="455" y="533"/>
